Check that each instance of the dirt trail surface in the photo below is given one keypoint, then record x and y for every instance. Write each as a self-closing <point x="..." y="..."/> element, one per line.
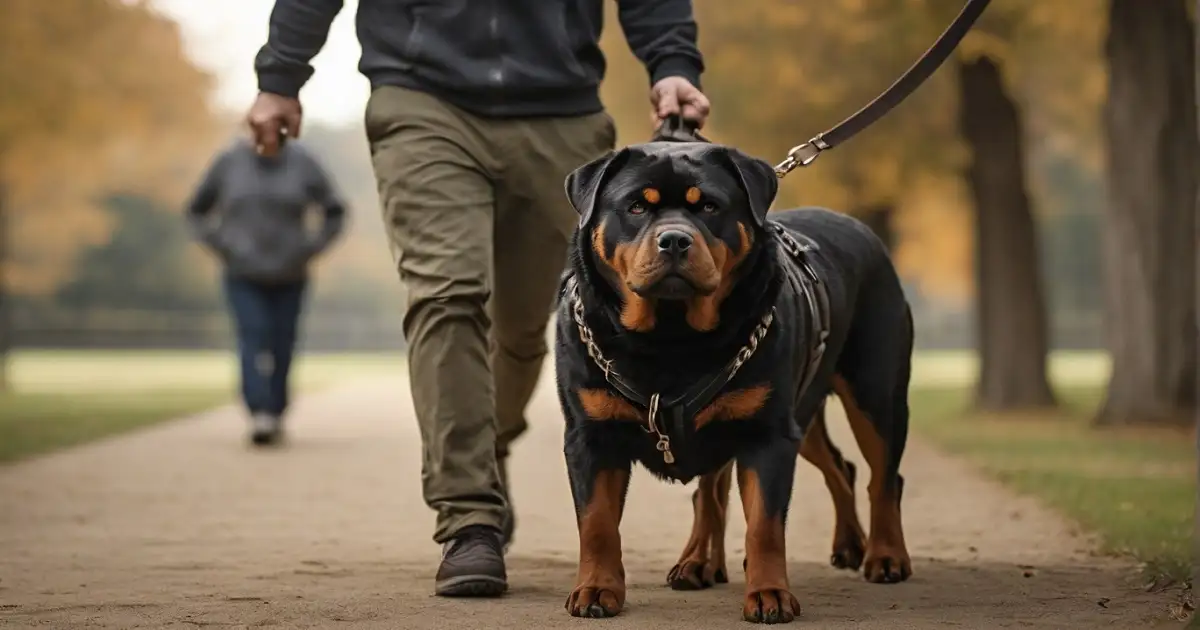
<point x="182" y="526"/>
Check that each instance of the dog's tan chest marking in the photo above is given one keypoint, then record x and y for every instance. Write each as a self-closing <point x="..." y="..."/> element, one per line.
<point x="600" y="405"/>
<point x="741" y="404"/>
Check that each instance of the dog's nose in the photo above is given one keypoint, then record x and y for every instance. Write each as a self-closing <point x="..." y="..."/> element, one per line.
<point x="674" y="242"/>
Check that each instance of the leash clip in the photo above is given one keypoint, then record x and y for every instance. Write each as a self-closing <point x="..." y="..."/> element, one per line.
<point x="664" y="442"/>
<point x="802" y="155"/>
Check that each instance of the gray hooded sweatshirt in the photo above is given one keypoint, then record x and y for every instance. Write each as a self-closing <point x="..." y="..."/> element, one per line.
<point x="251" y="211"/>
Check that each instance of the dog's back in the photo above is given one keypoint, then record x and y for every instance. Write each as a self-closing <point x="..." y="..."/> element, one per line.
<point x="845" y="243"/>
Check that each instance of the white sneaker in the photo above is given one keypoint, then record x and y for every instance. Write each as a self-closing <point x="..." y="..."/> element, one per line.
<point x="264" y="428"/>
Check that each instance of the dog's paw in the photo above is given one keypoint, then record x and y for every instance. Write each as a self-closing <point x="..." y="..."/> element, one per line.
<point x="590" y="601"/>
<point x="886" y="566"/>
<point x="693" y="576"/>
<point x="848" y="551"/>
<point x="770" y="606"/>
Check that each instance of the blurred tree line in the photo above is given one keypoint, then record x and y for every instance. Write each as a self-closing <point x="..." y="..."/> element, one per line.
<point x="1049" y="171"/>
<point x="104" y="129"/>
<point x="1044" y="178"/>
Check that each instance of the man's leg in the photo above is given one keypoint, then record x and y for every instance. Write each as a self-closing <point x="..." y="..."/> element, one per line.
<point x="434" y="180"/>
<point x="252" y="325"/>
<point x="533" y="226"/>
<point x="286" y="304"/>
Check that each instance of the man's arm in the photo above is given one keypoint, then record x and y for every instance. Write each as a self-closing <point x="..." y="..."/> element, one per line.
<point x="662" y="34"/>
<point x="298" y="29"/>
<point x="324" y="193"/>
<point x="198" y="210"/>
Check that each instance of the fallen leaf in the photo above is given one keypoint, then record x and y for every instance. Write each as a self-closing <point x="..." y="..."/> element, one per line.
<point x="1180" y="611"/>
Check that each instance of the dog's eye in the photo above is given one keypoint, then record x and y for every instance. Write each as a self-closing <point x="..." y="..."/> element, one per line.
<point x="709" y="207"/>
<point x="637" y="208"/>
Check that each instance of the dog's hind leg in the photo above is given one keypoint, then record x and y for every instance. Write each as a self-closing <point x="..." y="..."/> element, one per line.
<point x="872" y="383"/>
<point x="887" y="558"/>
<point x="702" y="563"/>
<point x="819" y="450"/>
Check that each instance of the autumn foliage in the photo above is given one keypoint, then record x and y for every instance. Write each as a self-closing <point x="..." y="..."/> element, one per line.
<point x="96" y="96"/>
<point x="779" y="72"/>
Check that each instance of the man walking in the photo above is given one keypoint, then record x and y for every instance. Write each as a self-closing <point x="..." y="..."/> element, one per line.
<point x="259" y="233"/>
<point x="478" y="111"/>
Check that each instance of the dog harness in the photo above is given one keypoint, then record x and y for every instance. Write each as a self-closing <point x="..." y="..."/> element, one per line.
<point x="665" y="419"/>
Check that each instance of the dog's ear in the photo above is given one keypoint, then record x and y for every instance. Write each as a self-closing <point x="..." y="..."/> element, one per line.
<point x="758" y="179"/>
<point x="583" y="184"/>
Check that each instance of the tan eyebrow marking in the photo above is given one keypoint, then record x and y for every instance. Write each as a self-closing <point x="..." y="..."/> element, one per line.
<point x="693" y="195"/>
<point x="651" y="195"/>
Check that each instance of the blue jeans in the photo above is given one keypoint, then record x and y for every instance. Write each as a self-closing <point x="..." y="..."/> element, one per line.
<point x="266" y="318"/>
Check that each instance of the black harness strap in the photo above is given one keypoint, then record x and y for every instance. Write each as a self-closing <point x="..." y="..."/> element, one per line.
<point x="815" y="294"/>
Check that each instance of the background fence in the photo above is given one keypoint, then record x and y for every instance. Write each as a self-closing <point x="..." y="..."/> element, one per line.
<point x="353" y="330"/>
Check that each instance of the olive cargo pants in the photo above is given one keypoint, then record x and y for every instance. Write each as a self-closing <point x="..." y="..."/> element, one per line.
<point x="478" y="223"/>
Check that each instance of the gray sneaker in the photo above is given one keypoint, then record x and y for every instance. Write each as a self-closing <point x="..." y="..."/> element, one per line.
<point x="472" y="564"/>
<point x="265" y="429"/>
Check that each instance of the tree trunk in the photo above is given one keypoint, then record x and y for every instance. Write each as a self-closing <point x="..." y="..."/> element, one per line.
<point x="1010" y="309"/>
<point x="1150" y="218"/>
<point x="1196" y="210"/>
<point x="880" y="218"/>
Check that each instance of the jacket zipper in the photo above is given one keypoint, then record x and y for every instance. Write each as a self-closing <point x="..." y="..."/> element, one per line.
<point x="497" y="73"/>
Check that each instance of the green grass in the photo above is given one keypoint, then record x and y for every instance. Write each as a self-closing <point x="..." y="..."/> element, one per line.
<point x="35" y="423"/>
<point x="1136" y="488"/>
<point x="76" y="371"/>
<point x="65" y="398"/>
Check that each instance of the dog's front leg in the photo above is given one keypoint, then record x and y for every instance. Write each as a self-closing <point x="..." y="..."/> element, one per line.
<point x="598" y="488"/>
<point x="765" y="473"/>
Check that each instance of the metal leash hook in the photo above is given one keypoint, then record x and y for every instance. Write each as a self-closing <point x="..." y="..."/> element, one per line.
<point x="664" y="442"/>
<point x="801" y="155"/>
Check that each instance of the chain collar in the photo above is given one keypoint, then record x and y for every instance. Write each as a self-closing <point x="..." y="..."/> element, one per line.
<point x="653" y="402"/>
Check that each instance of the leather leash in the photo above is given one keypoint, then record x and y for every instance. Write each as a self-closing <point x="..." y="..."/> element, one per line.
<point x="805" y="153"/>
<point x="674" y="128"/>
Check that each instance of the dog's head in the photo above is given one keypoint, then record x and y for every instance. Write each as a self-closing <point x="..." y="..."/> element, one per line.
<point x="672" y="223"/>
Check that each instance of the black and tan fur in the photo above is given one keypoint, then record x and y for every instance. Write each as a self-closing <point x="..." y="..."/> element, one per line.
<point x="669" y="316"/>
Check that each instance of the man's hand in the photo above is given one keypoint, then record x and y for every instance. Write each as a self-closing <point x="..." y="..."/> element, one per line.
<point x="270" y="117"/>
<point x="677" y="95"/>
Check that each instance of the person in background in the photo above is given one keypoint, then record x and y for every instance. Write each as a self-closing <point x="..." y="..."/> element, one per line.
<point x="478" y="112"/>
<point x="251" y="210"/>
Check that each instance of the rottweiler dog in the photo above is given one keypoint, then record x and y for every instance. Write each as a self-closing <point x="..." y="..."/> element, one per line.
<point x="695" y="335"/>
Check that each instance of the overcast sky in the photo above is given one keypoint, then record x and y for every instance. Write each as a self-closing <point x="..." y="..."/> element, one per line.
<point x="222" y="36"/>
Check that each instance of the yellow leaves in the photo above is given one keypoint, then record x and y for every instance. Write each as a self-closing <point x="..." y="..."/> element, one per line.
<point x="779" y="72"/>
<point x="979" y="43"/>
<point x="936" y="239"/>
<point x="97" y="96"/>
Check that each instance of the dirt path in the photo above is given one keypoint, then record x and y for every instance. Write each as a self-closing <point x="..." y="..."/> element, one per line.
<point x="182" y="526"/>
